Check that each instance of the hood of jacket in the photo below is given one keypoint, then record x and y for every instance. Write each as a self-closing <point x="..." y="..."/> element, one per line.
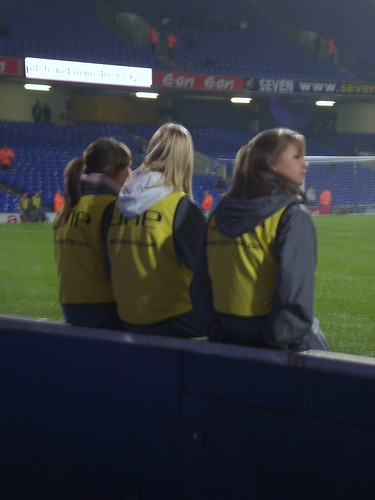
<point x="238" y="216"/>
<point x="98" y="183"/>
<point x="142" y="190"/>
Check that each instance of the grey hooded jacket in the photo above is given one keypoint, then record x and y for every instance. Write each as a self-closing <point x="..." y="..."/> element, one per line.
<point x="289" y="323"/>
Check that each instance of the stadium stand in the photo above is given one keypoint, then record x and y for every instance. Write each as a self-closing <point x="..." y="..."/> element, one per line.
<point x="58" y="31"/>
<point x="43" y="150"/>
<point x="351" y="28"/>
<point x="245" y="51"/>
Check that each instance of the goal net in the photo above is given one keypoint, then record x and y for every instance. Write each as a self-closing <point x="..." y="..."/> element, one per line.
<point x="350" y="181"/>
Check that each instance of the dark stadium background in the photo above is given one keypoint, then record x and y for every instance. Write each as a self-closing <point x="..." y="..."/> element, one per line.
<point x="266" y="50"/>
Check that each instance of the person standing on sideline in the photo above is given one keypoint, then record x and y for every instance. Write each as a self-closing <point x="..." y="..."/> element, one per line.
<point x="331" y="50"/>
<point x="172" y="43"/>
<point x="37" y="213"/>
<point x="310" y="196"/>
<point x="37" y="111"/>
<point x="154" y="38"/>
<point x="325" y="198"/>
<point x="24" y="207"/>
<point x="58" y="200"/>
<point x="92" y="183"/>
<point x="7" y="155"/>
<point x="207" y="204"/>
<point x="157" y="228"/>
<point x="46" y="113"/>
<point x="254" y="281"/>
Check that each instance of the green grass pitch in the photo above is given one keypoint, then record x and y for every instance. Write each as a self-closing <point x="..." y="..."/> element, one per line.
<point x="345" y="282"/>
<point x="345" y="278"/>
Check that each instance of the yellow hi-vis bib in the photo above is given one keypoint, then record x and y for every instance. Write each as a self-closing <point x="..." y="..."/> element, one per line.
<point x="150" y="281"/>
<point x="243" y="269"/>
<point x="81" y="260"/>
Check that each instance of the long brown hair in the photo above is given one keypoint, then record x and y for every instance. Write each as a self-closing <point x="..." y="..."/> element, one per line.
<point x="98" y="157"/>
<point x="257" y="156"/>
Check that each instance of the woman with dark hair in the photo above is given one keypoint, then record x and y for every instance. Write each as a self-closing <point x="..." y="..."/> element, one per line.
<point x="158" y="228"/>
<point x="92" y="183"/>
<point x="256" y="270"/>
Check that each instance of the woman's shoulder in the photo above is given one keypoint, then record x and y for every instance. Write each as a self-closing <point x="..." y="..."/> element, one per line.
<point x="188" y="210"/>
<point x="297" y="208"/>
<point x="188" y="203"/>
<point x="296" y="215"/>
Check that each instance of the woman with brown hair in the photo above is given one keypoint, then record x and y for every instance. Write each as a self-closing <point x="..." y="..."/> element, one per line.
<point x="92" y="183"/>
<point x="256" y="270"/>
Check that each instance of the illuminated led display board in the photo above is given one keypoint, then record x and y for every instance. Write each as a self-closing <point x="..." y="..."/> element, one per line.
<point x="81" y="72"/>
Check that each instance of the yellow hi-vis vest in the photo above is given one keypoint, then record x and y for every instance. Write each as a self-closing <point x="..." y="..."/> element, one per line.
<point x="150" y="281"/>
<point x="243" y="269"/>
<point x="80" y="255"/>
<point x="24" y="203"/>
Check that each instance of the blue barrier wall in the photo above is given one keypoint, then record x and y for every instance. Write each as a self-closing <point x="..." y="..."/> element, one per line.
<point x="89" y="413"/>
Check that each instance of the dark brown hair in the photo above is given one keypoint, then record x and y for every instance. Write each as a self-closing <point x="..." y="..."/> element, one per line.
<point x="99" y="155"/>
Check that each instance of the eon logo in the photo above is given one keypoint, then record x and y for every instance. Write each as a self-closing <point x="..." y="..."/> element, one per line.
<point x="180" y="81"/>
<point x="218" y="83"/>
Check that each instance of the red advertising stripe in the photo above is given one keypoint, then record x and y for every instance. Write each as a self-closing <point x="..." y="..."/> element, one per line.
<point x="10" y="66"/>
<point x="178" y="80"/>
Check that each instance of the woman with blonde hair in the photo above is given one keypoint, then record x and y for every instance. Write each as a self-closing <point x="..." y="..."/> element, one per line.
<point x="256" y="268"/>
<point x="92" y="183"/>
<point x="154" y="237"/>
